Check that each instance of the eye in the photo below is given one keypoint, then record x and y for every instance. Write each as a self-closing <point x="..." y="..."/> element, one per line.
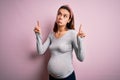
<point x="65" y="16"/>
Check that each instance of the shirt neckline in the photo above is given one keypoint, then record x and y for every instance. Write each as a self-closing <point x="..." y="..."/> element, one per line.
<point x="61" y="36"/>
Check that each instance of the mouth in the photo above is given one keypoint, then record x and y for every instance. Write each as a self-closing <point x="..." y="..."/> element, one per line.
<point x="59" y="21"/>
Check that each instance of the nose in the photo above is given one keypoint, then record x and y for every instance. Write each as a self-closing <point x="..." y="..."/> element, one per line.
<point x="60" y="17"/>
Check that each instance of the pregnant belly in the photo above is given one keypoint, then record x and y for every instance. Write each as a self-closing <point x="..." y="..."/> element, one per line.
<point x="59" y="67"/>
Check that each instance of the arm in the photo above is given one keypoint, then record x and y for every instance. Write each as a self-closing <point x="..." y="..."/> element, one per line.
<point x="41" y="48"/>
<point x="77" y="46"/>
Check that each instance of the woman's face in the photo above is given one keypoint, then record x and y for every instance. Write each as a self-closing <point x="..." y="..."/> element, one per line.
<point x="63" y="17"/>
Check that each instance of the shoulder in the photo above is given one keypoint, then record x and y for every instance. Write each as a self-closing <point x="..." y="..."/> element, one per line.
<point x="51" y="34"/>
<point x="72" y="32"/>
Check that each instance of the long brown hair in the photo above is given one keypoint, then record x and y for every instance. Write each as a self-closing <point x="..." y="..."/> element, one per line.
<point x="69" y="25"/>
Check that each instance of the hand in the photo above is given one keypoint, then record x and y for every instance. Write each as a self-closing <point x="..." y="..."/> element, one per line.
<point x="37" y="28"/>
<point x="80" y="33"/>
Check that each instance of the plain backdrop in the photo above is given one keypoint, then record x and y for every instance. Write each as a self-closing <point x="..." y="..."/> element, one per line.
<point x="19" y="59"/>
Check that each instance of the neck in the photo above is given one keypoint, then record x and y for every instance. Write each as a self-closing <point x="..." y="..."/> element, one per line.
<point x="62" y="28"/>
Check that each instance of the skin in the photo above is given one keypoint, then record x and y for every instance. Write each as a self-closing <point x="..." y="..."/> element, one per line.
<point x="62" y="19"/>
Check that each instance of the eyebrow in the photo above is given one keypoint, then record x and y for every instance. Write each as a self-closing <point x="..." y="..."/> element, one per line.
<point x="61" y="13"/>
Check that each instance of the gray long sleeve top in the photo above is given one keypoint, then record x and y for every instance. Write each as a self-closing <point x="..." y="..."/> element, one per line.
<point x="60" y="63"/>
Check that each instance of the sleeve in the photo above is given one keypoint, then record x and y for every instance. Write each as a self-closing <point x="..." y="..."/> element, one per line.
<point x="77" y="46"/>
<point x="42" y="47"/>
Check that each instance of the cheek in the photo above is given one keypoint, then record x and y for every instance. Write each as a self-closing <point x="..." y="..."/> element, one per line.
<point x="65" y="21"/>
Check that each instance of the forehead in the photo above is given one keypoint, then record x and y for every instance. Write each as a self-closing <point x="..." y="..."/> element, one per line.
<point x="64" y="11"/>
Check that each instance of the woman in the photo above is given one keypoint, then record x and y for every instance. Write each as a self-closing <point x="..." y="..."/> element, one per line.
<point x="61" y="43"/>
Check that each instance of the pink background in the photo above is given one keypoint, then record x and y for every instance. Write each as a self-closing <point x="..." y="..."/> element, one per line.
<point x="101" y="23"/>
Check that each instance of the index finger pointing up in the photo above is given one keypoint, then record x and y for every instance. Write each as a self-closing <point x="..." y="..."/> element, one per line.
<point x="80" y="28"/>
<point x="38" y="23"/>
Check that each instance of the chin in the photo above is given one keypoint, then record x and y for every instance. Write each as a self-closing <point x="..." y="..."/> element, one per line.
<point x="59" y="24"/>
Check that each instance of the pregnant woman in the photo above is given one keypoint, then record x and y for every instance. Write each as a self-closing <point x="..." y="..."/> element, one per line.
<point x="61" y="42"/>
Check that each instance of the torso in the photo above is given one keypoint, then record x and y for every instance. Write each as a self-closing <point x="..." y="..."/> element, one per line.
<point x="60" y="63"/>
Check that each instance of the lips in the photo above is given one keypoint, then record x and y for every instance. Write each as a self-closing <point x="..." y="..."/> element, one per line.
<point x="59" y="21"/>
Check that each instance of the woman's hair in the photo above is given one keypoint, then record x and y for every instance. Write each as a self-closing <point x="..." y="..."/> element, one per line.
<point x="69" y="25"/>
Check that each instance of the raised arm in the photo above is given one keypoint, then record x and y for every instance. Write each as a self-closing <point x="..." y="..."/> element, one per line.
<point x="41" y="47"/>
<point x="77" y="44"/>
